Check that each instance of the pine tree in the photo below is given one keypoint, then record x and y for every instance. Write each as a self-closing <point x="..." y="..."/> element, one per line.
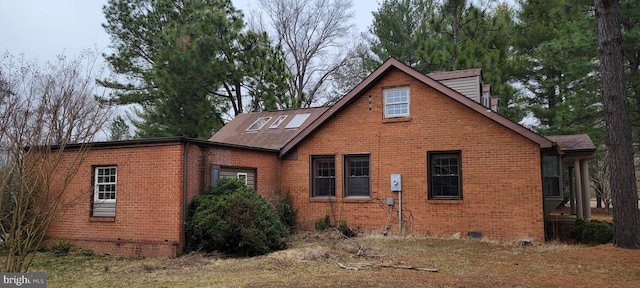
<point x="626" y="216"/>
<point x="187" y="64"/>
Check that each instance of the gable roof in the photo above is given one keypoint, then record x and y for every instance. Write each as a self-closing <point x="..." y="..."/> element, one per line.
<point x="235" y="132"/>
<point x="393" y="63"/>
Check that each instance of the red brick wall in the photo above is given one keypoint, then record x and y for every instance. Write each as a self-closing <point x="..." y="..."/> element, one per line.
<point x="502" y="195"/>
<point x="148" y="209"/>
<point x="149" y="213"/>
<point x="266" y="164"/>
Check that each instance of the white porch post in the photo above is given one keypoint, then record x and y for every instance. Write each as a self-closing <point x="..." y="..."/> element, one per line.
<point x="572" y="192"/>
<point x="584" y="167"/>
<point x="579" y="193"/>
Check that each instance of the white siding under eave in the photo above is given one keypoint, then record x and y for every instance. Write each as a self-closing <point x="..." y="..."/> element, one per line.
<point x="229" y="172"/>
<point x="469" y="86"/>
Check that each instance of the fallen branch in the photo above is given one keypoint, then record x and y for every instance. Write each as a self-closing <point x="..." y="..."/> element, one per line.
<point x="358" y="266"/>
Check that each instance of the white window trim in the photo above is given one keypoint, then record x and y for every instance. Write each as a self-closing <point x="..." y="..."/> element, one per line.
<point x="384" y="97"/>
<point x="249" y="129"/>
<point x="246" y="177"/>
<point x="278" y="121"/>
<point x="95" y="185"/>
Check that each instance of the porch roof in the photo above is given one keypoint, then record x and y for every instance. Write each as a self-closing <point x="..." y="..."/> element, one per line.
<point x="573" y="144"/>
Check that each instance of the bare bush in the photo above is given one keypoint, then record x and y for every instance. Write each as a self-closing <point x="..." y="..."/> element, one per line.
<point x="42" y="111"/>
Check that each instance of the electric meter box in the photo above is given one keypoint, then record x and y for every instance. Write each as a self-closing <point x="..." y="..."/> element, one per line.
<point x="396" y="182"/>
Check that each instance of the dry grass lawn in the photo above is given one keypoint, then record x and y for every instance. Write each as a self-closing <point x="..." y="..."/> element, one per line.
<point x="312" y="261"/>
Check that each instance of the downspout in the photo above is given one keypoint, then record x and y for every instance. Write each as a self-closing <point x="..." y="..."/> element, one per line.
<point x="400" y="213"/>
<point x="185" y="167"/>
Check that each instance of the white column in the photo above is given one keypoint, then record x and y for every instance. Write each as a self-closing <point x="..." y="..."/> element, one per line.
<point x="584" y="166"/>
<point x="572" y="192"/>
<point x="579" y="193"/>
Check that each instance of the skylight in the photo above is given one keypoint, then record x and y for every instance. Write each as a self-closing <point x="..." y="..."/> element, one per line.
<point x="278" y="121"/>
<point x="297" y="120"/>
<point x="258" y="124"/>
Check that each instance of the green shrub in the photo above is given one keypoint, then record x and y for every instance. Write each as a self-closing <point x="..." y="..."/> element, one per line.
<point x="233" y="218"/>
<point x="576" y="231"/>
<point x="286" y="213"/>
<point x="61" y="248"/>
<point x="593" y="232"/>
<point x="597" y="232"/>
<point x="323" y="223"/>
<point x="345" y="229"/>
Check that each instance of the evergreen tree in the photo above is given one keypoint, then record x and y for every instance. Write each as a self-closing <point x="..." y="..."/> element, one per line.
<point x="626" y="216"/>
<point x="558" y="66"/>
<point x="436" y="36"/>
<point x="187" y="63"/>
<point x="119" y="130"/>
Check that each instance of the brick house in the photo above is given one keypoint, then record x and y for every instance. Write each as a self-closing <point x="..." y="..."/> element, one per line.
<point x="401" y="152"/>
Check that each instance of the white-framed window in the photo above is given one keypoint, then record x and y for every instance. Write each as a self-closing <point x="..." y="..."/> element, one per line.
<point x="258" y="124"/>
<point x="243" y="177"/>
<point x="396" y="102"/>
<point x="278" y="121"/>
<point x="105" y="184"/>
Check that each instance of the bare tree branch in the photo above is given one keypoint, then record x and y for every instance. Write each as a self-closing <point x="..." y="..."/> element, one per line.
<point x="42" y="110"/>
<point x="313" y="34"/>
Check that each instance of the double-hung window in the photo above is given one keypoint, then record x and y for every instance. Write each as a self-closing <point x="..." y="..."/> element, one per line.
<point x="444" y="175"/>
<point x="396" y="102"/>
<point x="105" y="182"/>
<point x="357" y="176"/>
<point x="551" y="175"/>
<point x="323" y="176"/>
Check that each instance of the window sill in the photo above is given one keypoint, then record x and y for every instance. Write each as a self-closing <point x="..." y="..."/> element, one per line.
<point x="445" y="201"/>
<point x="396" y="120"/>
<point x="356" y="199"/>
<point x="102" y="219"/>
<point x="322" y="199"/>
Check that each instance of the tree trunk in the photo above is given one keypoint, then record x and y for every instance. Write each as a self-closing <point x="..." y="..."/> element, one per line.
<point x="626" y="216"/>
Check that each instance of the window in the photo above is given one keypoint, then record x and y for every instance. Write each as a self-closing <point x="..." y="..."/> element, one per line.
<point x="323" y="171"/>
<point x="297" y="120"/>
<point x="485" y="101"/>
<point x="551" y="176"/>
<point x="242" y="177"/>
<point x="105" y="182"/>
<point x="444" y="177"/>
<point x="396" y="102"/>
<point x="356" y="175"/>
<point x="278" y="121"/>
<point x="258" y="124"/>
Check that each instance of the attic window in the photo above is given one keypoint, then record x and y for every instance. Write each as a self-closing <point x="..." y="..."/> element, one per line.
<point x="297" y="120"/>
<point x="278" y="121"/>
<point x="396" y="102"/>
<point x="258" y="124"/>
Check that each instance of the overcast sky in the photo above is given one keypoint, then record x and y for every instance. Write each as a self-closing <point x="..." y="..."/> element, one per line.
<point x="43" y="29"/>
